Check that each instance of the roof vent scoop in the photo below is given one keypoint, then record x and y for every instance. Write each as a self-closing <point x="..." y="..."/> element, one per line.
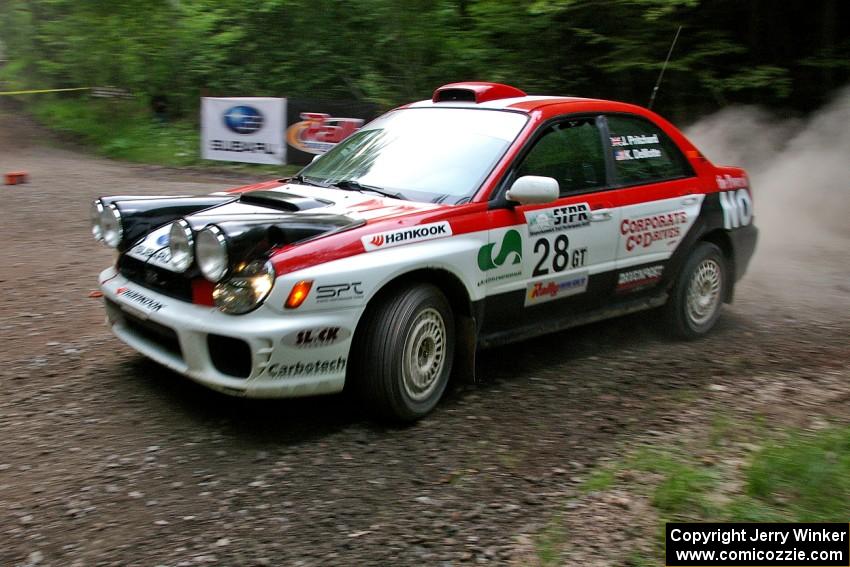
<point x="475" y="92"/>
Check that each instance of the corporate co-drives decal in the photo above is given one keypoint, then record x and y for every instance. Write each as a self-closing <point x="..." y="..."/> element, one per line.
<point x="401" y="236"/>
<point x="643" y="232"/>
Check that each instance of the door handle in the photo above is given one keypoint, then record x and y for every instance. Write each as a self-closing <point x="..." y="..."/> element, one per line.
<point x="690" y="200"/>
<point x="598" y="216"/>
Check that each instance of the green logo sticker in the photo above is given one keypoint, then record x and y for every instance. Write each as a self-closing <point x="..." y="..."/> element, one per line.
<point x="511" y="245"/>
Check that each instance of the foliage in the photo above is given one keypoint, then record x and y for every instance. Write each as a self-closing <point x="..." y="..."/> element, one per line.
<point x="125" y="130"/>
<point x="392" y="51"/>
<point x="806" y="479"/>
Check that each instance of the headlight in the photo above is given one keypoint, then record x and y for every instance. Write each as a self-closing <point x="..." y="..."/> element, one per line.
<point x="110" y="226"/>
<point x="211" y="252"/>
<point x="245" y="289"/>
<point x="94" y="215"/>
<point x="180" y="241"/>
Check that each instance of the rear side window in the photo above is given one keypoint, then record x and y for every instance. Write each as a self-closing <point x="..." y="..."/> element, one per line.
<point x="643" y="153"/>
<point x="570" y="152"/>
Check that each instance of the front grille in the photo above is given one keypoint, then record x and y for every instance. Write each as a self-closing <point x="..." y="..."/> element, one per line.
<point x="150" y="330"/>
<point x="164" y="281"/>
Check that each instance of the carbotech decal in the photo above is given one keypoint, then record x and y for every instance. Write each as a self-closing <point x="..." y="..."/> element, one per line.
<point x="315" y="338"/>
<point x="632" y="280"/>
<point x="401" y="236"/>
<point x="510" y="247"/>
<point x="737" y="208"/>
<point x="143" y="300"/>
<point x="278" y="370"/>
<point x="644" y="231"/>
<point x="558" y="218"/>
<point x="555" y="288"/>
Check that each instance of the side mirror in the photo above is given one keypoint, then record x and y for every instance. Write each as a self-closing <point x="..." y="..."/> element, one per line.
<point x="533" y="190"/>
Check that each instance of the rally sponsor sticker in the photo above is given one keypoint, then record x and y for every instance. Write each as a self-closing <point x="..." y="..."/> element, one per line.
<point x="402" y="236"/>
<point x="558" y="218"/>
<point x="555" y="288"/>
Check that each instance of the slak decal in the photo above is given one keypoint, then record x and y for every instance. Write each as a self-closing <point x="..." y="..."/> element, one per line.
<point x="316" y="338"/>
<point x="402" y="236"/>
<point x="737" y="208"/>
<point x="509" y="248"/>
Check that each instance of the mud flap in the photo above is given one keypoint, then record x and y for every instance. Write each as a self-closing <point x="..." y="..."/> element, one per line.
<point x="464" y="363"/>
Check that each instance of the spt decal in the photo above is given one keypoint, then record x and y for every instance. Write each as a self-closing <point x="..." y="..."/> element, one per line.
<point x="510" y="247"/>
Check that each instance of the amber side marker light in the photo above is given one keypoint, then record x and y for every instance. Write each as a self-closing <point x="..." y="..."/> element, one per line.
<point x="298" y="294"/>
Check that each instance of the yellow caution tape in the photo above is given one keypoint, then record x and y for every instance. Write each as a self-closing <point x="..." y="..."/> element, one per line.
<point x="45" y="91"/>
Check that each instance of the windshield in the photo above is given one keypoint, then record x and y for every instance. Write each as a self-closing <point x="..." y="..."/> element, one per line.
<point x="423" y="154"/>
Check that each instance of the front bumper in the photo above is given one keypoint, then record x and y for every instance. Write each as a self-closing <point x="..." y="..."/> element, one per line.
<point x="252" y="355"/>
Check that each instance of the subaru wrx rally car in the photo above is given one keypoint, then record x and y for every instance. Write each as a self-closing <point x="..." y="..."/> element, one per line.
<point x="478" y="217"/>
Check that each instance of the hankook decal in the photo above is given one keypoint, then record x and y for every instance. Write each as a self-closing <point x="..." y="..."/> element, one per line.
<point x="401" y="236"/>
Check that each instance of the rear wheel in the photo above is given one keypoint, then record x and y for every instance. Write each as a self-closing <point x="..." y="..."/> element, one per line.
<point x="697" y="296"/>
<point x="406" y="353"/>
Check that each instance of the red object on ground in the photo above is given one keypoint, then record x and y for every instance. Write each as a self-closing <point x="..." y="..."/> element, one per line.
<point x="16" y="177"/>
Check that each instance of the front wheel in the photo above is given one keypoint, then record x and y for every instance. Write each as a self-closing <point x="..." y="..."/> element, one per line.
<point x="697" y="296"/>
<point x="406" y="353"/>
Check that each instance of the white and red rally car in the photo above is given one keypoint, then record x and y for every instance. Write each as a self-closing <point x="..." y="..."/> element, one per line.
<point x="478" y="217"/>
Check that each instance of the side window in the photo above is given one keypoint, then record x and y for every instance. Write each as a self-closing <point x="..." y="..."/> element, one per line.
<point x="643" y="153"/>
<point x="572" y="153"/>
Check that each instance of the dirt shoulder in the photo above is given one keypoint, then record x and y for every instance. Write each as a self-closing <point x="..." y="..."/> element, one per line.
<point x="111" y="460"/>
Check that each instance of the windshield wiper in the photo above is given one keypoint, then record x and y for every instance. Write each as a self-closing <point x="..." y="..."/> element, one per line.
<point x="306" y="181"/>
<point x="352" y="185"/>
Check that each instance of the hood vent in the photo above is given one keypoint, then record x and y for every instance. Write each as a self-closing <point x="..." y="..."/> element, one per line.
<point x="475" y="92"/>
<point x="282" y="201"/>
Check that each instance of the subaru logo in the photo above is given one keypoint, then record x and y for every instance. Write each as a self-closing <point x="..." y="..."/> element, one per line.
<point x="162" y="240"/>
<point x="243" y="119"/>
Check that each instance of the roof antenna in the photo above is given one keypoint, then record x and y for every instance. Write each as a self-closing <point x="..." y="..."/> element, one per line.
<point x="661" y="74"/>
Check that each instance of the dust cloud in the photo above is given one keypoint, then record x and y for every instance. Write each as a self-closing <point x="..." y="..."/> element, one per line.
<point x="799" y="169"/>
<point x="800" y="175"/>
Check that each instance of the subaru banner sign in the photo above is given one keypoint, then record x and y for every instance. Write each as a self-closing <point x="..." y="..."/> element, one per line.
<point x="247" y="129"/>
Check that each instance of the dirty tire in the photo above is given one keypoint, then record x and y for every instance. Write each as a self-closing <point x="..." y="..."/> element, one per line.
<point x="405" y="353"/>
<point x="697" y="296"/>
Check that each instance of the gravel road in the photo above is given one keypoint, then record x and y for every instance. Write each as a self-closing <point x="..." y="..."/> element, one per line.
<point x="108" y="459"/>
